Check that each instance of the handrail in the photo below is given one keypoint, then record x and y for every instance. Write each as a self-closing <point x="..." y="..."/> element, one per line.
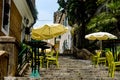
<point x="22" y="51"/>
<point x="23" y="56"/>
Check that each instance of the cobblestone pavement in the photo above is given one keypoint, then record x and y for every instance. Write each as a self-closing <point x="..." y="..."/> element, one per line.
<point x="76" y="69"/>
<point x="73" y="69"/>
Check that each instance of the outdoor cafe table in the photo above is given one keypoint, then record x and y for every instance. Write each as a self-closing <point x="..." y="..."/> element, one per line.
<point x="35" y="45"/>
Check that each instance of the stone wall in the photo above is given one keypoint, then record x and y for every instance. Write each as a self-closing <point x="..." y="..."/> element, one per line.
<point x="15" y="22"/>
<point x="81" y="53"/>
<point x="7" y="43"/>
<point x="3" y="64"/>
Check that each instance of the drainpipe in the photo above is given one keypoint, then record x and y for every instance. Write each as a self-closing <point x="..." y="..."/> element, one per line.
<point x="34" y="14"/>
<point x="33" y="11"/>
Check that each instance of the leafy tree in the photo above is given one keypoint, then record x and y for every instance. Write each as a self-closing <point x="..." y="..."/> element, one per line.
<point x="106" y="20"/>
<point x="114" y="8"/>
<point x="79" y="12"/>
<point x="89" y="16"/>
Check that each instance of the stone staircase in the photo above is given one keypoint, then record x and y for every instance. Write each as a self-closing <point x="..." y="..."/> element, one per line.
<point x="71" y="69"/>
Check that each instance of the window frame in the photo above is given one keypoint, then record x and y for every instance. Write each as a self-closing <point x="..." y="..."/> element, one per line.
<point x="5" y="30"/>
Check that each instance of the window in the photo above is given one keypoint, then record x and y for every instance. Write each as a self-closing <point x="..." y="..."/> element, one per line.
<point x="65" y="21"/>
<point x="6" y="17"/>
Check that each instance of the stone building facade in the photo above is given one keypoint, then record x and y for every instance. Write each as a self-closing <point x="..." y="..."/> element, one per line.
<point x="63" y="41"/>
<point x="17" y="18"/>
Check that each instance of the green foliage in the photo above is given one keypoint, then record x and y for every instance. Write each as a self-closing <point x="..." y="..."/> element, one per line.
<point x="107" y="19"/>
<point x="91" y="15"/>
<point x="99" y="2"/>
<point x="78" y="11"/>
<point x="101" y="20"/>
<point x="114" y="7"/>
<point x="62" y="3"/>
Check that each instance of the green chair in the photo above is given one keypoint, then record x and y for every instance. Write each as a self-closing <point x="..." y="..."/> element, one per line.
<point x="96" y="59"/>
<point x="109" y="63"/>
<point x="53" y="60"/>
<point x="50" y="54"/>
<point x="112" y="65"/>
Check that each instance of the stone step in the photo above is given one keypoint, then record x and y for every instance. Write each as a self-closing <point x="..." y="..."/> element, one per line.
<point x="21" y="78"/>
<point x="73" y="69"/>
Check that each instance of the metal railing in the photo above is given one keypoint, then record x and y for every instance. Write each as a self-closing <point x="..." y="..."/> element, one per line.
<point x="23" y="57"/>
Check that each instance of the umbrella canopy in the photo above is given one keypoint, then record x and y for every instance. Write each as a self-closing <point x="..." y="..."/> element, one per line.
<point x="48" y="31"/>
<point x="100" y="36"/>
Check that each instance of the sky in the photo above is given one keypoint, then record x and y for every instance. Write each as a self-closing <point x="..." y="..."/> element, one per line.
<point x="46" y="9"/>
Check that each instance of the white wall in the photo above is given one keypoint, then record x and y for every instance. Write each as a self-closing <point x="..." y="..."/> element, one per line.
<point x="65" y="38"/>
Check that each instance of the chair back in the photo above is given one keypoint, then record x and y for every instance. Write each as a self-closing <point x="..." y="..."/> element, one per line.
<point x="50" y="54"/>
<point x="98" y="53"/>
<point x="57" y="52"/>
<point x="109" y="57"/>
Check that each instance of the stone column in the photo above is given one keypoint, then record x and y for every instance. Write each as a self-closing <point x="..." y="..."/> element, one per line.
<point x="7" y="43"/>
<point x="3" y="64"/>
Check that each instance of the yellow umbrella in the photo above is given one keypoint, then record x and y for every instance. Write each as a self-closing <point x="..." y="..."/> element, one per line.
<point x="100" y="36"/>
<point x="48" y="31"/>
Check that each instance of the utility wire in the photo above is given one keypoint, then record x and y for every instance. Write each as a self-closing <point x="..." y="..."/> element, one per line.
<point x="44" y="20"/>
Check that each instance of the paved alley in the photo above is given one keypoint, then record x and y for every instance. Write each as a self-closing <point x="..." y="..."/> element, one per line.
<point x="76" y="69"/>
<point x="73" y="69"/>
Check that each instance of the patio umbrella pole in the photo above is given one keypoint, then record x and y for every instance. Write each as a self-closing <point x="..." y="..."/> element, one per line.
<point x="100" y="44"/>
